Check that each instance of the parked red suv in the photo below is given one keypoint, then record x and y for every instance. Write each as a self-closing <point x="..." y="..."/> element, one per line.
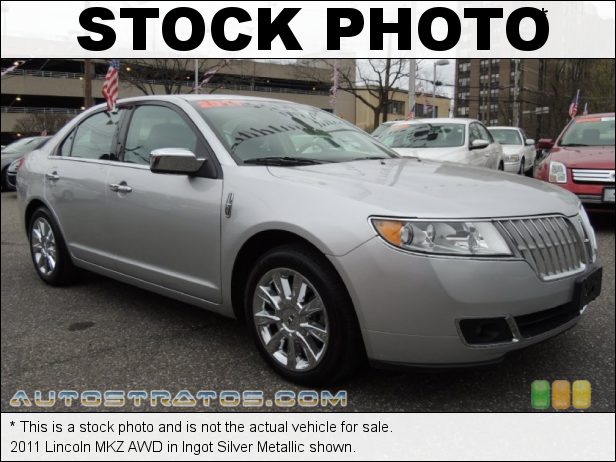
<point x="582" y="160"/>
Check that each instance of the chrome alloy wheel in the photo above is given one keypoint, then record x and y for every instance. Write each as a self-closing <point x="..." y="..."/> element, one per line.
<point x="43" y="243"/>
<point x="291" y="319"/>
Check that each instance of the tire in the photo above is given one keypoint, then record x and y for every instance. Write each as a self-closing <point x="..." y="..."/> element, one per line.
<point x="333" y="335"/>
<point x="3" y="183"/>
<point x="521" y="170"/>
<point x="501" y="167"/>
<point x="50" y="257"/>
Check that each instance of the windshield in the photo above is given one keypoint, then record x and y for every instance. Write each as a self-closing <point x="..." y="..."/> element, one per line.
<point x="442" y="135"/>
<point x="255" y="130"/>
<point x="506" y="136"/>
<point x="591" y="131"/>
<point x="380" y="129"/>
<point x="24" y="145"/>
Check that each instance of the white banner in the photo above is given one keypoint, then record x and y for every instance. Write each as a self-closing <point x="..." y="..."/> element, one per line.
<point x="306" y="436"/>
<point x="293" y="29"/>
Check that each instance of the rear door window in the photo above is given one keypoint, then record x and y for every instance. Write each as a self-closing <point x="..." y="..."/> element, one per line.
<point x="95" y="137"/>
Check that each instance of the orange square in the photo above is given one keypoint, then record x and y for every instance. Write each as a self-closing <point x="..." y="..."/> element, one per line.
<point x="561" y="394"/>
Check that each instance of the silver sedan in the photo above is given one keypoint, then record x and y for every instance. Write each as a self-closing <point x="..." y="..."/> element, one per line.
<point x="329" y="245"/>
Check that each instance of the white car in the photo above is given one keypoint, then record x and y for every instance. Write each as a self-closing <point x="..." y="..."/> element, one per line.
<point x="462" y="141"/>
<point x="518" y="150"/>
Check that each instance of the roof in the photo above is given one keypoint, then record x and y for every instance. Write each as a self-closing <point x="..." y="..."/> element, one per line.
<point x="593" y="116"/>
<point x="437" y="120"/>
<point x="192" y="97"/>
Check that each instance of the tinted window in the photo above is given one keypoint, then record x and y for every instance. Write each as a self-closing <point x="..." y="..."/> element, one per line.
<point x="504" y="136"/>
<point x="591" y="131"/>
<point x="95" y="137"/>
<point x="442" y="135"/>
<point x="156" y="127"/>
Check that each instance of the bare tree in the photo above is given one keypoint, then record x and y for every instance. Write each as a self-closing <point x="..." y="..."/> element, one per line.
<point x="173" y="75"/>
<point x="371" y="81"/>
<point x="563" y="77"/>
<point x="34" y="124"/>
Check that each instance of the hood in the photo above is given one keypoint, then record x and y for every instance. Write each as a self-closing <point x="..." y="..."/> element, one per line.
<point x="414" y="188"/>
<point x="436" y="154"/>
<point x="600" y="157"/>
<point x="510" y="149"/>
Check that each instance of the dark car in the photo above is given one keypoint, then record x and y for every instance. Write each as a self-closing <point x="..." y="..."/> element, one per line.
<point x="16" y="150"/>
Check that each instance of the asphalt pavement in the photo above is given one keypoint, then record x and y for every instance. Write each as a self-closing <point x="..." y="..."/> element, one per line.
<point x="104" y="335"/>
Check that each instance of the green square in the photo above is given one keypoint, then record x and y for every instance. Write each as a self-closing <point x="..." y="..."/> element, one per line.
<point x="540" y="394"/>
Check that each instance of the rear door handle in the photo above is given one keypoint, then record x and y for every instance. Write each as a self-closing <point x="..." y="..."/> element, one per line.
<point x="53" y="176"/>
<point x="120" y="187"/>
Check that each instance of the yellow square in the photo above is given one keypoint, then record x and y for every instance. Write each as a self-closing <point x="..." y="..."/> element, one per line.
<point x="581" y="394"/>
<point x="561" y="394"/>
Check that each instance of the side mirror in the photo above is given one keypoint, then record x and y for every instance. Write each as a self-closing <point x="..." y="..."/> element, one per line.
<point x="175" y="160"/>
<point x="530" y="142"/>
<point x="479" y="144"/>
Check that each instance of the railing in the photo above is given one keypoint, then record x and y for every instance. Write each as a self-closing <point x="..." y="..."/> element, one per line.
<point x="39" y="110"/>
<point x="189" y="85"/>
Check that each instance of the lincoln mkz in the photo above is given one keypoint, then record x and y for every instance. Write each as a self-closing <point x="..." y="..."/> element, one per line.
<point x="329" y="245"/>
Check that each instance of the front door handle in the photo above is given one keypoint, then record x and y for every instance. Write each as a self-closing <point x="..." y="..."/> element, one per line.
<point x="120" y="187"/>
<point x="53" y="176"/>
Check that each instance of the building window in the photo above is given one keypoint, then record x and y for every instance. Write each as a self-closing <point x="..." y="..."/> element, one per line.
<point x="395" y="107"/>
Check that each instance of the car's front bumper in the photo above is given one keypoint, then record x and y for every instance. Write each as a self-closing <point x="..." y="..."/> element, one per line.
<point x="512" y="167"/>
<point x="410" y="306"/>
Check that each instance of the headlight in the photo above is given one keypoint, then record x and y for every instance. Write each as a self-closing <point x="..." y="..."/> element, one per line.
<point x="590" y="232"/>
<point x="443" y="237"/>
<point x="558" y="172"/>
<point x="512" y="158"/>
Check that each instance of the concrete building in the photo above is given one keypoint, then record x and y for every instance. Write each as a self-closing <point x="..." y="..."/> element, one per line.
<point x="55" y="87"/>
<point x="499" y="91"/>
<point x="52" y="90"/>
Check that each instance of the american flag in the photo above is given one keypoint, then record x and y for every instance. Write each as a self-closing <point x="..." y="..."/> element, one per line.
<point x="110" y="87"/>
<point x="573" y="107"/>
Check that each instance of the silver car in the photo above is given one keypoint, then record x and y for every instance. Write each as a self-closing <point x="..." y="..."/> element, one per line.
<point x="331" y="247"/>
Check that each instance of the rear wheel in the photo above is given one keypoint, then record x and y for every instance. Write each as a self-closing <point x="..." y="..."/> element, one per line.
<point x="302" y="318"/>
<point x="50" y="257"/>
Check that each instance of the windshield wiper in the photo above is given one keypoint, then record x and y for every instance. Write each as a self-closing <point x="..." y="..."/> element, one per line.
<point x="273" y="160"/>
<point x="575" y="144"/>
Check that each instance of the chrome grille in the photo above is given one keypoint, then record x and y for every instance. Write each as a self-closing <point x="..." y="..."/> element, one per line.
<point x="593" y="176"/>
<point x="553" y="245"/>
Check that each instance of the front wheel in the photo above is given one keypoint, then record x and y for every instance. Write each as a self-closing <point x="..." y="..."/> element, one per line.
<point x="302" y="318"/>
<point x="522" y="168"/>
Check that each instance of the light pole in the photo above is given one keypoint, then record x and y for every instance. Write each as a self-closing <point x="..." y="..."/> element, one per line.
<point x="440" y="62"/>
